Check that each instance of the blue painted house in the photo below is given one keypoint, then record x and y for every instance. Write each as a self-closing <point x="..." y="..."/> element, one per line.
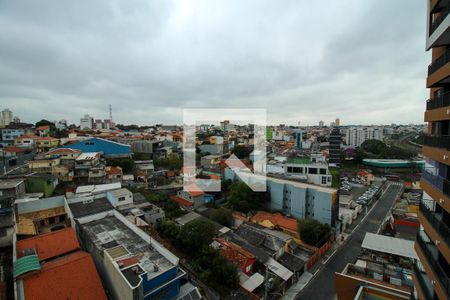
<point x="109" y="149"/>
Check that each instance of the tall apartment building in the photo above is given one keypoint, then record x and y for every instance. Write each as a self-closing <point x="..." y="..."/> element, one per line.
<point x="86" y="122"/>
<point x="355" y="136"/>
<point x="6" y="117"/>
<point x="335" y="146"/>
<point x="432" y="271"/>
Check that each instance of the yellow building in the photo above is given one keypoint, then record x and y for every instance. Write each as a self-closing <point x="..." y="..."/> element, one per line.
<point x="43" y="165"/>
<point x="44" y="144"/>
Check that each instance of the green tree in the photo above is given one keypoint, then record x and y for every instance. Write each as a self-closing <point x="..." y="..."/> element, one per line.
<point x="127" y="164"/>
<point x="312" y="231"/>
<point x="242" y="198"/>
<point x="241" y="151"/>
<point x="223" y="216"/>
<point x="197" y="235"/>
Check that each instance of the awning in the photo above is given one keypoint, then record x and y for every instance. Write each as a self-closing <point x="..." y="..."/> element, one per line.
<point x="26" y="264"/>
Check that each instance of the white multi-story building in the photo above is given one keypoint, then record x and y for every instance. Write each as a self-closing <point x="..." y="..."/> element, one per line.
<point x="86" y="122"/>
<point x="6" y="117"/>
<point x="355" y="136"/>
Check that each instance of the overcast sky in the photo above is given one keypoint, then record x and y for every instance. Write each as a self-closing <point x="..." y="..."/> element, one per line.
<point x="361" y="61"/>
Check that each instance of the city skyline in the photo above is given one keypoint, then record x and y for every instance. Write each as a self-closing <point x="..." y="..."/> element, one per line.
<point x="152" y="60"/>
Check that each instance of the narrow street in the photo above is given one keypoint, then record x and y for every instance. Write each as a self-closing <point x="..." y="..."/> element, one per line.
<point x="322" y="285"/>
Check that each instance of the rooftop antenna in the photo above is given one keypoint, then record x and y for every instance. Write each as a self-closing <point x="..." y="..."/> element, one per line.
<point x="110" y="112"/>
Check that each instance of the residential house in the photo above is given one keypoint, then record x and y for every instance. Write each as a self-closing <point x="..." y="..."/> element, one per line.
<point x="43" y="164"/>
<point x="8" y="135"/>
<point x="113" y="174"/>
<point x="43" y="130"/>
<point x="41" y="183"/>
<point x="53" y="266"/>
<point x="25" y="140"/>
<point x="44" y="144"/>
<point x="119" y="197"/>
<point x="143" y="169"/>
<point x="89" y="167"/>
<point x="36" y="216"/>
<point x="277" y="221"/>
<point x="189" y="198"/>
<point x="236" y="255"/>
<point x="11" y="189"/>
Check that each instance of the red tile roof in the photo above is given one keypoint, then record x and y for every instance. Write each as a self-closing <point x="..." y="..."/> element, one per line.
<point x="113" y="170"/>
<point x="194" y="190"/>
<point x="234" y="253"/>
<point x="43" y="127"/>
<point x="46" y="138"/>
<point x="70" y="277"/>
<point x="276" y="219"/>
<point x="14" y="149"/>
<point x="128" y="261"/>
<point x="51" y="244"/>
<point x="181" y="201"/>
<point x="62" y="150"/>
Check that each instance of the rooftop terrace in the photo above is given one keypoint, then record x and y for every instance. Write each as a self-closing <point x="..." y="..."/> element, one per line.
<point x="127" y="249"/>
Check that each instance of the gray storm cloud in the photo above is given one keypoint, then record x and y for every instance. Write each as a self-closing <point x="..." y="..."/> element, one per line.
<point x="361" y="61"/>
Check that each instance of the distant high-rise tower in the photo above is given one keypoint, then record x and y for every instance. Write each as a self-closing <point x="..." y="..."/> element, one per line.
<point x="298" y="138"/>
<point x="338" y="122"/>
<point x="6" y="117"/>
<point x="321" y="123"/>
<point x="431" y="275"/>
<point x="110" y="112"/>
<point x="335" y="141"/>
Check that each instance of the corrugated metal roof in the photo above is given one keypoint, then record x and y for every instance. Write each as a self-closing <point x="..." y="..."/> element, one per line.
<point x="26" y="264"/>
<point x="253" y="282"/>
<point x="390" y="245"/>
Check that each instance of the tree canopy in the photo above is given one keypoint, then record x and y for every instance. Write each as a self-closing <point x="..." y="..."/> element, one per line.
<point x="223" y="216"/>
<point x="313" y="232"/>
<point x="378" y="149"/>
<point x="240" y="197"/>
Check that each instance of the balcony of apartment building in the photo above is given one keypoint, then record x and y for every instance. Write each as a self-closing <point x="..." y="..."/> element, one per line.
<point x="437" y="142"/>
<point x="436" y="221"/>
<point x="439" y="70"/>
<point x="436" y="182"/>
<point x="438" y="105"/>
<point x="438" y="23"/>
<point x="434" y="264"/>
<point x="423" y="284"/>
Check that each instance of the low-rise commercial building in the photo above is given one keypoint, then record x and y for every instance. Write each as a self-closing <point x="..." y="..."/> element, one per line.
<point x="131" y="263"/>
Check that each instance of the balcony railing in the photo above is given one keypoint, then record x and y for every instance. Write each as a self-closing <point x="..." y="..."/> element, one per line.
<point x="438" y="225"/>
<point x="426" y="287"/>
<point x="434" y="180"/>
<point x="437" y="141"/>
<point x="438" y="270"/>
<point x="438" y="20"/>
<point x="439" y="62"/>
<point x="442" y="100"/>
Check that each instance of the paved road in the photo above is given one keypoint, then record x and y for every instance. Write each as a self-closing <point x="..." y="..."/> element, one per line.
<point x="322" y="285"/>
